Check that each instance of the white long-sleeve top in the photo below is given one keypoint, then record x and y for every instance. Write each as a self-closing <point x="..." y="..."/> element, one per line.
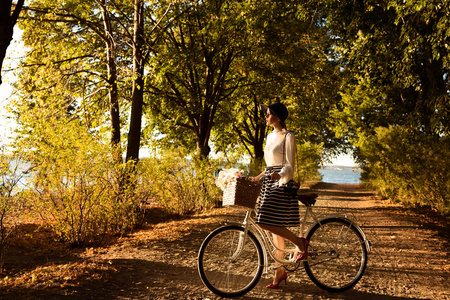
<point x="273" y="153"/>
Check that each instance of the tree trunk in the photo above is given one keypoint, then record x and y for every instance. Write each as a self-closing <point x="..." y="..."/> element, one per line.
<point x="203" y="148"/>
<point x="134" y="134"/>
<point x="112" y="79"/>
<point x="213" y="94"/>
<point x="253" y="133"/>
<point x="432" y="88"/>
<point x="7" y="23"/>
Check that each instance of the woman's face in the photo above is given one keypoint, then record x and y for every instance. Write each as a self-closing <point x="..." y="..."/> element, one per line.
<point x="271" y="119"/>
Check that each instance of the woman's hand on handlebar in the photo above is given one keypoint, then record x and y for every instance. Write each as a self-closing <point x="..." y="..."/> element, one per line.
<point x="253" y="179"/>
<point x="274" y="177"/>
<point x="257" y="178"/>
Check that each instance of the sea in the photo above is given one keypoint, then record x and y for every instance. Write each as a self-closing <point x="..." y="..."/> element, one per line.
<point x="330" y="174"/>
<point x="340" y="174"/>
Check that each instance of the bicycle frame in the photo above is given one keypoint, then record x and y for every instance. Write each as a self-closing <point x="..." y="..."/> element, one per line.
<point x="267" y="243"/>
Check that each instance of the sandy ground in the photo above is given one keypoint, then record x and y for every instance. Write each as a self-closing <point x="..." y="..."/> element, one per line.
<point x="409" y="258"/>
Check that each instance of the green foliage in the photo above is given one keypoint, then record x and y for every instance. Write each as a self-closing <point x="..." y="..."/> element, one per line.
<point x="178" y="183"/>
<point x="256" y="166"/>
<point x="394" y="106"/>
<point x="66" y="66"/>
<point x="399" y="49"/>
<point x="183" y="185"/>
<point x="362" y="108"/>
<point x="308" y="162"/>
<point x="295" y="62"/>
<point x="217" y="61"/>
<point x="191" y="74"/>
<point x="290" y="57"/>
<point x="78" y="187"/>
<point x="11" y="199"/>
<point x="408" y="166"/>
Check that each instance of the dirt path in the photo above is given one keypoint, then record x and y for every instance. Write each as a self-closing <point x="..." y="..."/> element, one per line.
<point x="409" y="259"/>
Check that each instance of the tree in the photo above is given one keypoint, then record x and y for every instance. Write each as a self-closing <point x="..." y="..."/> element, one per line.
<point x="256" y="56"/>
<point x="142" y="48"/>
<point x="395" y="108"/>
<point x="291" y="58"/>
<point x="204" y="59"/>
<point x="84" y="64"/>
<point x="134" y="134"/>
<point x="396" y="49"/>
<point x="190" y="74"/>
<point x="250" y="125"/>
<point x="110" y="43"/>
<point x="297" y="58"/>
<point x="7" y="23"/>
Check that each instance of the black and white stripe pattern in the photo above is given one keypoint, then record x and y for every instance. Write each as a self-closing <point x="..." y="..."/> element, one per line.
<point x="275" y="206"/>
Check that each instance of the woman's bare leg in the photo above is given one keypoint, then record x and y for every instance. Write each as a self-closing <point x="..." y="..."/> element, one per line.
<point x="284" y="233"/>
<point x="280" y="243"/>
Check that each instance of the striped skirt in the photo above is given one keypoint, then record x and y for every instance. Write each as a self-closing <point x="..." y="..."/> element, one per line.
<point x="275" y="206"/>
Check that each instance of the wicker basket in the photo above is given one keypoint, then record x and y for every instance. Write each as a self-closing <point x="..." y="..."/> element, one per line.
<point x="241" y="192"/>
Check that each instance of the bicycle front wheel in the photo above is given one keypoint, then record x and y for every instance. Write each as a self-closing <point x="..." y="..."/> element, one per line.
<point x="337" y="255"/>
<point x="230" y="263"/>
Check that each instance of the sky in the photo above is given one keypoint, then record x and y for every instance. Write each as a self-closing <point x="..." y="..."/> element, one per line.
<point x="343" y="160"/>
<point x="6" y="125"/>
<point x="13" y="53"/>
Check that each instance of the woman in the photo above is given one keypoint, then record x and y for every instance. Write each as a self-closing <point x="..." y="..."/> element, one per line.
<point x="276" y="209"/>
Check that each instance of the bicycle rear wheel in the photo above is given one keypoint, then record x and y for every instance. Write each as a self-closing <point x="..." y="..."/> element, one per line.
<point x="337" y="255"/>
<point x="228" y="265"/>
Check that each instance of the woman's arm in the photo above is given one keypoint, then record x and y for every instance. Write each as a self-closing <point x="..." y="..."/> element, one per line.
<point x="257" y="178"/>
<point x="287" y="172"/>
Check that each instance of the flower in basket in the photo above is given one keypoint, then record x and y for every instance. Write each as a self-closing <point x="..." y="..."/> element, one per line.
<point x="226" y="176"/>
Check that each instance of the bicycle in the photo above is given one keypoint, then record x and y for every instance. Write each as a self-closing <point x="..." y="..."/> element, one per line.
<point x="232" y="258"/>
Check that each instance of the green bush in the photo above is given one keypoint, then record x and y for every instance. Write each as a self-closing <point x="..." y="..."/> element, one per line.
<point x="183" y="185"/>
<point x="408" y="166"/>
<point x="308" y="162"/>
<point x="179" y="184"/>
<point x="78" y="185"/>
<point x="11" y="200"/>
<point x="84" y="199"/>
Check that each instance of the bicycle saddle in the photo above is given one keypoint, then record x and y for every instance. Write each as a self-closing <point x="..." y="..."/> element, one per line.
<point x="308" y="199"/>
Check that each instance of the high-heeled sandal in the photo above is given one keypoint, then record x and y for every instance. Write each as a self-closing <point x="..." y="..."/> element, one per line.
<point x="275" y="285"/>
<point x="305" y="252"/>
